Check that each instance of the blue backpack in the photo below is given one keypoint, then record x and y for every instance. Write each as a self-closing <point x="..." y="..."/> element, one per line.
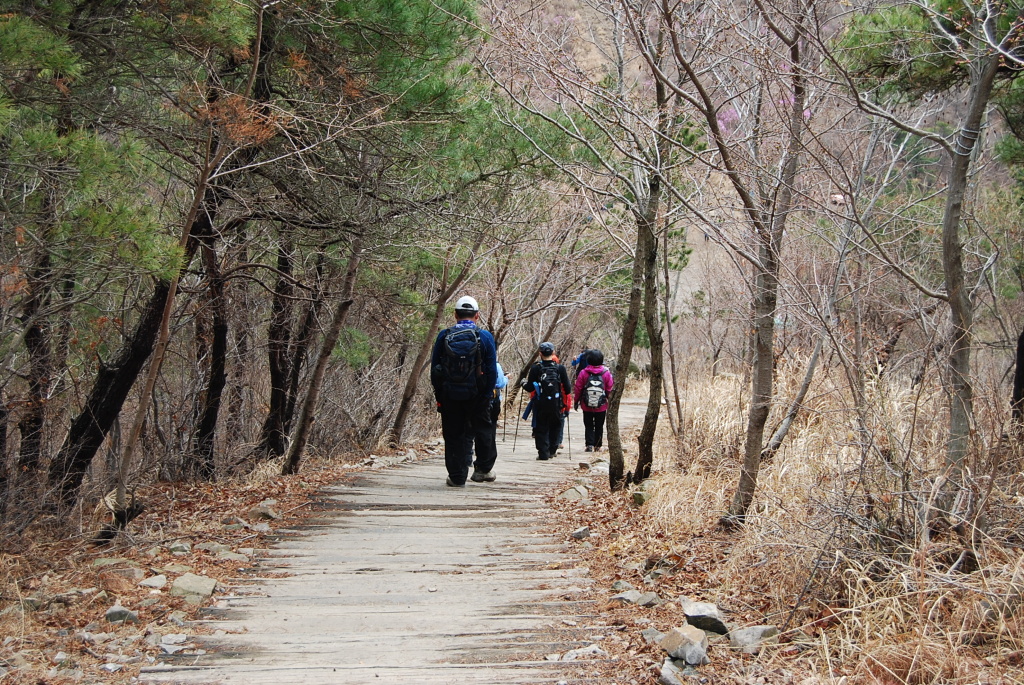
<point x="460" y="363"/>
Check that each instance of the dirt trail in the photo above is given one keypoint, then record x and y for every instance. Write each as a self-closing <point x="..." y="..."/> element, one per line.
<point x="408" y="580"/>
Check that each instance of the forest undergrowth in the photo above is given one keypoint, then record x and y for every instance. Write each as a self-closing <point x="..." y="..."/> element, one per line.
<point x="834" y="553"/>
<point x="846" y="550"/>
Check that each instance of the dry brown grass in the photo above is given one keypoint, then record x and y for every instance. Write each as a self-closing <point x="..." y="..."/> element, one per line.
<point x="834" y="547"/>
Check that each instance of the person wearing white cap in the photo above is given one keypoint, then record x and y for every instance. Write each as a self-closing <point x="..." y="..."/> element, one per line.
<point x="463" y="372"/>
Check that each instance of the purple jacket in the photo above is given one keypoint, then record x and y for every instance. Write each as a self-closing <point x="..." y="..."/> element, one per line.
<point x="581" y="380"/>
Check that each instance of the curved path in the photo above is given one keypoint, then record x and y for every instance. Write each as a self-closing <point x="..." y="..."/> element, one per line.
<point x="408" y="580"/>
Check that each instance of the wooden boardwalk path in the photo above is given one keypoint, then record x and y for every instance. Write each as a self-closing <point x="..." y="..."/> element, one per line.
<point x="408" y="580"/>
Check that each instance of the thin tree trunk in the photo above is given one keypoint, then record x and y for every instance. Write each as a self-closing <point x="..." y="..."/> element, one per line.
<point x="203" y="462"/>
<point x="38" y="344"/>
<point x="302" y="426"/>
<point x="273" y="434"/>
<point x="617" y="478"/>
<point x="649" y="257"/>
<point x="961" y="309"/>
<point x="1017" y="397"/>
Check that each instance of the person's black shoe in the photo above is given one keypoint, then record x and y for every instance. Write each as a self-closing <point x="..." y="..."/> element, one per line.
<point x="482" y="477"/>
<point x="452" y="484"/>
<point x="542" y="457"/>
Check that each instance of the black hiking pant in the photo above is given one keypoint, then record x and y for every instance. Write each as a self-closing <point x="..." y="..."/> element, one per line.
<point x="593" y="428"/>
<point x="464" y="423"/>
<point x="547" y="434"/>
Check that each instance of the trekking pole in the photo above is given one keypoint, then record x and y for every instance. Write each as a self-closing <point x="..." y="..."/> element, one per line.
<point x="568" y="435"/>
<point x="515" y="429"/>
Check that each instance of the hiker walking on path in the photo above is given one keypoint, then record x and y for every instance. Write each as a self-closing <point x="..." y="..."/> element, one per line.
<point x="463" y="372"/>
<point x="593" y="387"/>
<point x="550" y="381"/>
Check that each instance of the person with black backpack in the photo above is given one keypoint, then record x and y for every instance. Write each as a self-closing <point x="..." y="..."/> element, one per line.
<point x="463" y="372"/>
<point x="594" y="385"/>
<point x="549" y="380"/>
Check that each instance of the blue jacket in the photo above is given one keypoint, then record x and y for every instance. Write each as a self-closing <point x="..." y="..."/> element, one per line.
<point x="488" y="361"/>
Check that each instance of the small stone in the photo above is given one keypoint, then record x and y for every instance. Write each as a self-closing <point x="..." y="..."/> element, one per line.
<point x="652" y="636"/>
<point x="591" y="650"/>
<point x="640" y="497"/>
<point x="110" y="561"/>
<point x="649" y="599"/>
<point x="581" y="533"/>
<point x="627" y="597"/>
<point x="622" y="586"/>
<point x="749" y="640"/>
<point x="174" y="639"/>
<point x="232" y="556"/>
<point x="180" y="547"/>
<point x="262" y="528"/>
<point x="191" y="586"/>
<point x="155" y="582"/>
<point x="670" y="674"/>
<point x="177" y="618"/>
<point x="575" y="493"/>
<point x="264" y="512"/>
<point x="60" y="657"/>
<point x="688" y="644"/>
<point x="177" y="568"/>
<point x="170" y="649"/>
<point x="118" y="614"/>
<point x="704" y="615"/>
<point x="111" y="668"/>
<point x="214" y="547"/>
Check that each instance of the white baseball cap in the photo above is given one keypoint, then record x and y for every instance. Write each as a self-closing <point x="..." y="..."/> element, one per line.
<point x="467" y="304"/>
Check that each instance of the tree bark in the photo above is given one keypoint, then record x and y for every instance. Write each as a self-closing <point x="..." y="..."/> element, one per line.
<point x="617" y="478"/>
<point x="301" y="433"/>
<point x="203" y="464"/>
<point x="1017" y="397"/>
<point x="273" y="435"/>
<point x="38" y="344"/>
<point x="649" y="258"/>
<point x="961" y="308"/>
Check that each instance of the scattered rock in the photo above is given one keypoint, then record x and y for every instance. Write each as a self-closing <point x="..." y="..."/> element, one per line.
<point x="174" y="639"/>
<point x="622" y="586"/>
<point x="111" y="561"/>
<point x="180" y="547"/>
<point x="228" y="555"/>
<point x="649" y="599"/>
<point x="749" y="640"/>
<point x="155" y="582"/>
<point x="575" y="493"/>
<point x="591" y="650"/>
<point x="670" y="674"/>
<point x="177" y="568"/>
<point x="118" y="614"/>
<point x="640" y="497"/>
<point x="60" y="657"/>
<point x="262" y="528"/>
<point x="111" y="668"/>
<point x="704" y="615"/>
<point x="265" y="510"/>
<point x="652" y="636"/>
<point x="193" y="588"/>
<point x="214" y="547"/>
<point x="581" y="533"/>
<point x="688" y="644"/>
<point x="627" y="597"/>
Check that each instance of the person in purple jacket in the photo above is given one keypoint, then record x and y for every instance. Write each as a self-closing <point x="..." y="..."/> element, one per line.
<point x="593" y="388"/>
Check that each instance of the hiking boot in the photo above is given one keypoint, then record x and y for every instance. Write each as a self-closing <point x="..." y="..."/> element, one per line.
<point x="452" y="484"/>
<point x="542" y="457"/>
<point x="483" y="477"/>
<point x="590" y="448"/>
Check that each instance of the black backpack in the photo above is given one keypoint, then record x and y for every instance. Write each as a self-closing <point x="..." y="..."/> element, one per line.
<point x="549" y="390"/>
<point x="594" y="396"/>
<point x="460" y="363"/>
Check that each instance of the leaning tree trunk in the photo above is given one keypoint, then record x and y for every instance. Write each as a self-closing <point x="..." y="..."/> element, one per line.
<point x="301" y="433"/>
<point x="617" y="478"/>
